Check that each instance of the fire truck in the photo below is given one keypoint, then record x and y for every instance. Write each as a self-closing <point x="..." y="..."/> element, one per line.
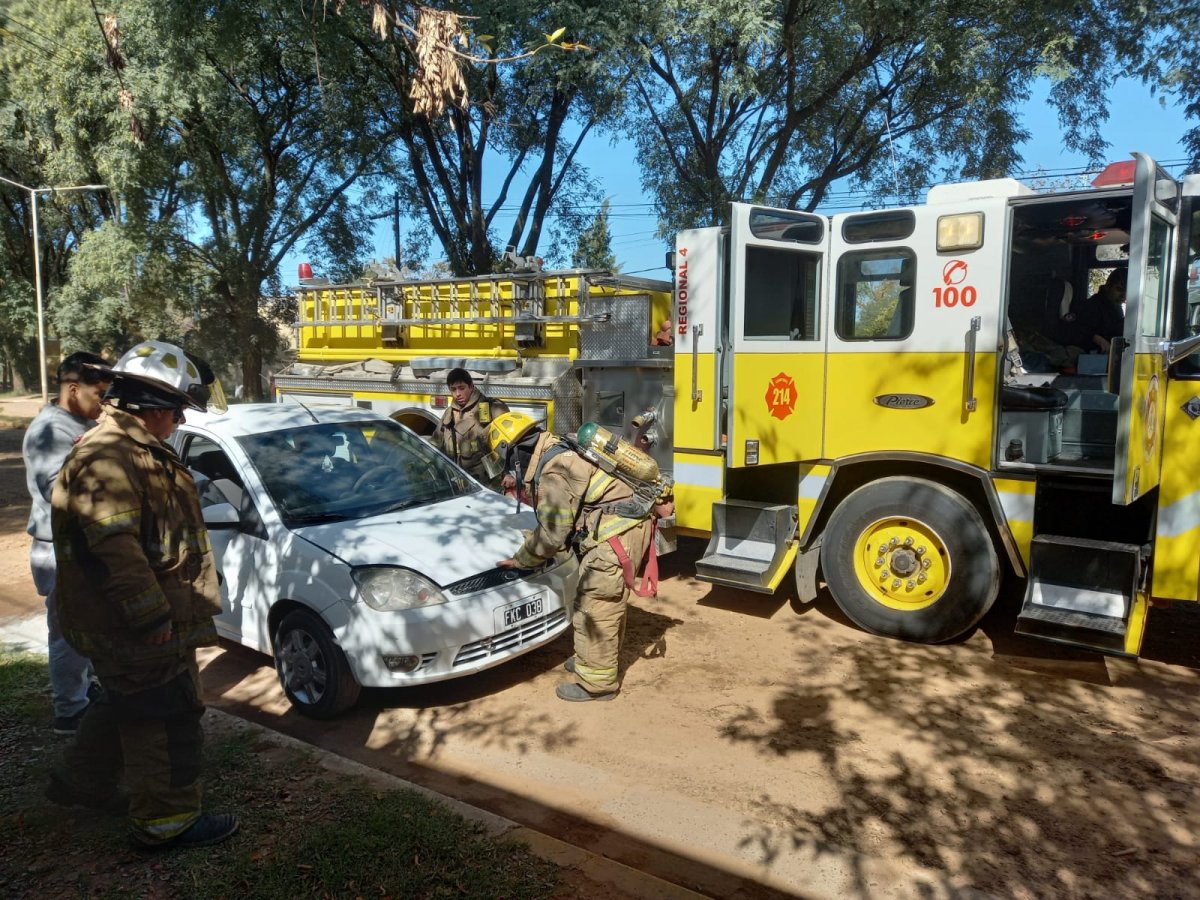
<point x="897" y="404"/>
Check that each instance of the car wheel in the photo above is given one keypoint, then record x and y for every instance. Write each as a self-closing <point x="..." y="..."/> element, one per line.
<point x="911" y="559"/>
<point x="312" y="668"/>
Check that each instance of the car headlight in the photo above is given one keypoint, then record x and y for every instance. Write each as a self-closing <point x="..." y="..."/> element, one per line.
<point x="389" y="589"/>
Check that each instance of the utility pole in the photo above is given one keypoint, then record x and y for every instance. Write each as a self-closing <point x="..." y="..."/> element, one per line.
<point x="396" y="226"/>
<point x="37" y="266"/>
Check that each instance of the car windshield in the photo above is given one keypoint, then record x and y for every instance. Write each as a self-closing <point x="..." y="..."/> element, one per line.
<point x="347" y="470"/>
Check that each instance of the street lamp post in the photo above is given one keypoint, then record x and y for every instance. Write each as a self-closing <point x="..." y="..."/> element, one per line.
<point x="37" y="265"/>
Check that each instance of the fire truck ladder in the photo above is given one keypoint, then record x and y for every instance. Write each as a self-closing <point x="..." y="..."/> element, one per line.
<point x="524" y="303"/>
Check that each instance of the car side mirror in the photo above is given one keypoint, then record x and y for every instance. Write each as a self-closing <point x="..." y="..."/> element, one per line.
<point x="221" y="515"/>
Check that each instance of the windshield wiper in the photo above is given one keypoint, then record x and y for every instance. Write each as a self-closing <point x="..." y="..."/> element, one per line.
<point x="316" y="517"/>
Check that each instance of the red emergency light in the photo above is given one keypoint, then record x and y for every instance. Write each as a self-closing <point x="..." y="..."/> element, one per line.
<point x="305" y="271"/>
<point x="1116" y="174"/>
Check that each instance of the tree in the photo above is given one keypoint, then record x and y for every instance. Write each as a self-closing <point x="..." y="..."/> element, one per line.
<point x="527" y="117"/>
<point x="232" y="131"/>
<point x="1171" y="62"/>
<point x="776" y="102"/>
<point x="594" y="248"/>
<point x="41" y="145"/>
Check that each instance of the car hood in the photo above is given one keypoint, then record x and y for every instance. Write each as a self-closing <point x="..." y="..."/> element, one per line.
<point x="444" y="541"/>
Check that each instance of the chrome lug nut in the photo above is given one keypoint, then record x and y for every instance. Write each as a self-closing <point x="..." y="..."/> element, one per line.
<point x="926" y="563"/>
<point x="921" y="550"/>
<point x="921" y="578"/>
<point x="892" y="543"/>
<point x="908" y="542"/>
<point x="896" y="583"/>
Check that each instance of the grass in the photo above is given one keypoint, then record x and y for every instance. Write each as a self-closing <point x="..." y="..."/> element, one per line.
<point x="305" y="832"/>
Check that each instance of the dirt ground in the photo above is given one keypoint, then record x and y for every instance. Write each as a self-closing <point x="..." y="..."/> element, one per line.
<point x="759" y="747"/>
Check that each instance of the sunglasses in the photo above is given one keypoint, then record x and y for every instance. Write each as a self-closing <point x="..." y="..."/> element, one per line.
<point x="177" y="415"/>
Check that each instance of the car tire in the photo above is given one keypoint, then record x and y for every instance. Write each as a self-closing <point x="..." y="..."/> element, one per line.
<point x="312" y="668"/>
<point x="910" y="559"/>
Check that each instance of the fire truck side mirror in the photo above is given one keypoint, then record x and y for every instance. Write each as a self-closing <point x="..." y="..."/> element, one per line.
<point x="670" y="260"/>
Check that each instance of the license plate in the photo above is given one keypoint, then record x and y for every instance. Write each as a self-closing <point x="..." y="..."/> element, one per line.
<point x="519" y="612"/>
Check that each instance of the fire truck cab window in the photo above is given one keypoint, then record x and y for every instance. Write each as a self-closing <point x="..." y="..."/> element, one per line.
<point x="875" y="295"/>
<point x="773" y="225"/>
<point x="781" y="294"/>
<point x="1187" y="315"/>
<point x="892" y="225"/>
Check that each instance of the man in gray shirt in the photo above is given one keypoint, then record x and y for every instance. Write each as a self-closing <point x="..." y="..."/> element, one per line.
<point x="82" y="380"/>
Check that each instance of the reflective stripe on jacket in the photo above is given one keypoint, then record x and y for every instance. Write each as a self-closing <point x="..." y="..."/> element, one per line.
<point x="568" y="497"/>
<point x="462" y="434"/>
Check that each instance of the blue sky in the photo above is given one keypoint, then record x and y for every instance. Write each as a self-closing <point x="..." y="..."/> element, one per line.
<point x="1137" y="121"/>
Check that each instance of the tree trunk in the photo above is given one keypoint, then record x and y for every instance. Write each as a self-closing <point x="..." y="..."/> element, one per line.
<point x="252" y="381"/>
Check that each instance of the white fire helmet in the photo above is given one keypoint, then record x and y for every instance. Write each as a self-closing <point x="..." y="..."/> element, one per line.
<point x="156" y="375"/>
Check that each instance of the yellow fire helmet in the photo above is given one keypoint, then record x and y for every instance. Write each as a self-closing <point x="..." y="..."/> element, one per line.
<point x="506" y="429"/>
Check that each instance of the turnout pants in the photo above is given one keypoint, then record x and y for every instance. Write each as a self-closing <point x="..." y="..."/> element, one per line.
<point x="147" y="724"/>
<point x="598" y="616"/>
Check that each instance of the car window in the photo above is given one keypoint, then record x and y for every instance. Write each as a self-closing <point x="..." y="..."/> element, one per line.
<point x="327" y="472"/>
<point x="218" y="480"/>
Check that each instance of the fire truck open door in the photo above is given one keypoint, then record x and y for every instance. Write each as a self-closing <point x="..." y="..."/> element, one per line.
<point x="777" y="369"/>
<point x="773" y="390"/>
<point x="1142" y="373"/>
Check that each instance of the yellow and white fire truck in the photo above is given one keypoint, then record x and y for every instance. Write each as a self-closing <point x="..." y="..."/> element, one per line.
<point x="894" y="403"/>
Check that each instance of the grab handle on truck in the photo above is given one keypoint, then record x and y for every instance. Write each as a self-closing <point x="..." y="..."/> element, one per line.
<point x="697" y="394"/>
<point x="971" y="402"/>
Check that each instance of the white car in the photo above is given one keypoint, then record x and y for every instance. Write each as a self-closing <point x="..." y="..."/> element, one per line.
<point x="357" y="555"/>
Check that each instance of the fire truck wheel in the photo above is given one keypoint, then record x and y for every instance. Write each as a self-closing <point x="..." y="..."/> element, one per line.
<point x="911" y="559"/>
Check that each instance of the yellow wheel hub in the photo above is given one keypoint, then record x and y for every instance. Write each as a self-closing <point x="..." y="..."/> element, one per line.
<point x="902" y="563"/>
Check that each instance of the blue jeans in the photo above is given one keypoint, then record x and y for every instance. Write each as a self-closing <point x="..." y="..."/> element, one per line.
<point x="70" y="673"/>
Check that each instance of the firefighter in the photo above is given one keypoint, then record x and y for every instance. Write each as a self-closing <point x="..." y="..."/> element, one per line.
<point x="582" y="507"/>
<point x="462" y="434"/>
<point x="137" y="592"/>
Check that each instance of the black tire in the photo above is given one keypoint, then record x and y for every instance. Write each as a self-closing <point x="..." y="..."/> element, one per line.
<point x="934" y="588"/>
<point x="312" y="668"/>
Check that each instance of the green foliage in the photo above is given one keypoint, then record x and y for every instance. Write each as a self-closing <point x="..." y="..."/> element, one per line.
<point x="24" y="686"/>
<point x="126" y="285"/>
<point x="231" y="132"/>
<point x="773" y="103"/>
<point x="524" y="127"/>
<point x="594" y="247"/>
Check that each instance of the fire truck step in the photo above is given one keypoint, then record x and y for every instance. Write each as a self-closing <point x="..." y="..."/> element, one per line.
<point x="751" y="547"/>
<point x="1081" y="592"/>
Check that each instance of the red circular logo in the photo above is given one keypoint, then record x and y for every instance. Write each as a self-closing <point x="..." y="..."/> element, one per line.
<point x="781" y="396"/>
<point x="954" y="272"/>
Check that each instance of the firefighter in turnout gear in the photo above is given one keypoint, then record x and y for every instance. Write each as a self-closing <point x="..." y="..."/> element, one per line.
<point x="462" y="434"/>
<point x="137" y="592"/>
<point x="582" y="507"/>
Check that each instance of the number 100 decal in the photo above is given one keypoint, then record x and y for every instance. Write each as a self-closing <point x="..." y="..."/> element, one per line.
<point x="954" y="296"/>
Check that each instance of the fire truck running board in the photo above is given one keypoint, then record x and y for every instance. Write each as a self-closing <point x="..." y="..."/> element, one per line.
<point x="1083" y="593"/>
<point x="751" y="547"/>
